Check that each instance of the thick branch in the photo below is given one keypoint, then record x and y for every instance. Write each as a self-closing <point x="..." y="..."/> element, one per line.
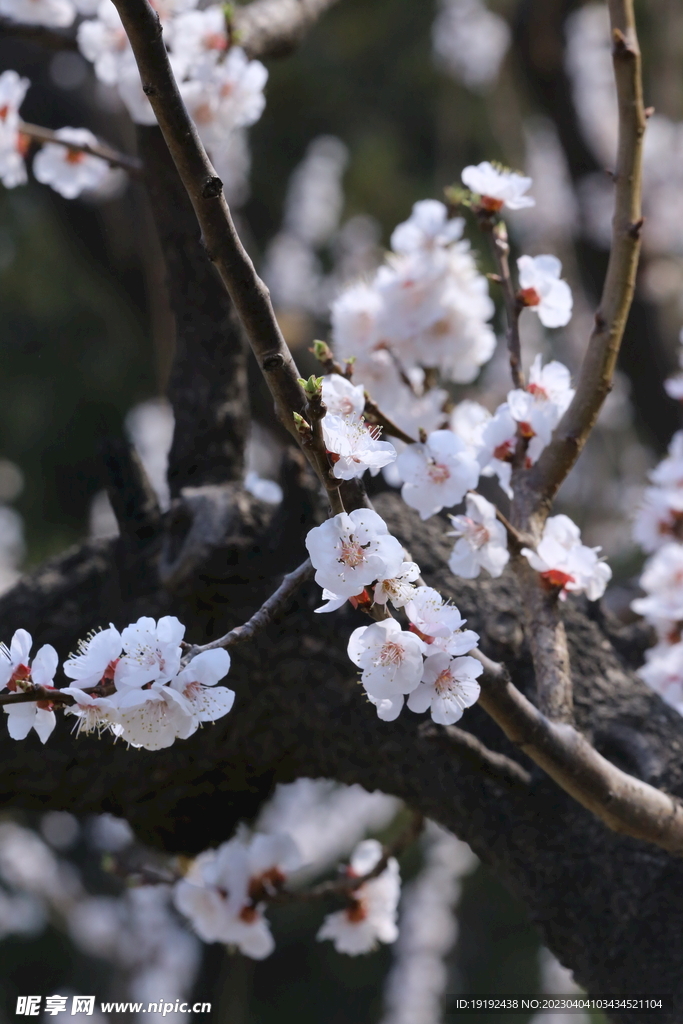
<point x="112" y="156"/>
<point x="207" y="387"/>
<point x="273" y="28"/>
<point x="205" y="189"/>
<point x="595" y="379"/>
<point x="623" y="802"/>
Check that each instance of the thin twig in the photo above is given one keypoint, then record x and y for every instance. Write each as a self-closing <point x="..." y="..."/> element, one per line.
<point x="389" y="428"/>
<point x="497" y="235"/>
<point x="112" y="156"/>
<point x="263" y="617"/>
<point x="347" y="884"/>
<point x="478" y="755"/>
<point x="625" y="804"/>
<point x="38" y="693"/>
<point x="597" y="370"/>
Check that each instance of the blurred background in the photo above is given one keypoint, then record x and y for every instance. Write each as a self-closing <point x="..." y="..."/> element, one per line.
<point x="381" y="106"/>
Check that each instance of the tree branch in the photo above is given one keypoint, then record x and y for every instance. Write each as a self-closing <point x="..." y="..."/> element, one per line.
<point x="625" y="804"/>
<point x="112" y="156"/>
<point x="223" y="245"/>
<point x="207" y="386"/>
<point x="273" y="28"/>
<point x="595" y="379"/>
<point x="478" y="755"/>
<point x="497" y="235"/>
<point x="205" y="189"/>
<point x="266" y="614"/>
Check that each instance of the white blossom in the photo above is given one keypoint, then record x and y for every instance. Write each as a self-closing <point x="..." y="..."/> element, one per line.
<point x="470" y="41"/>
<point x="669" y="472"/>
<point x="332" y="602"/>
<point x="51" y="13"/>
<point x="103" y="41"/>
<point x="199" y="39"/>
<point x="482" y="541"/>
<point x="94" y="714"/>
<point x="13" y="89"/>
<point x="411" y="286"/>
<point x="223" y="894"/>
<point x="229" y="97"/>
<point x="468" y="420"/>
<point x="436" y="474"/>
<point x="391" y="658"/>
<point x="70" y="171"/>
<point x="398" y="589"/>
<point x="355" y="446"/>
<point x="662" y="581"/>
<point x="539" y="407"/>
<point x="372" y="912"/>
<point x="350" y="551"/>
<point x="564" y="562"/>
<point x="96" y="660"/>
<point x="427" y="228"/>
<point x="151" y="652"/>
<point x="12" y="165"/>
<point x="660" y="517"/>
<point x="449" y="685"/>
<point x="439" y="623"/>
<point x="197" y="683"/>
<point x="497" y="187"/>
<point x="19" y="673"/>
<point x="354" y="322"/>
<point x="154" y="718"/>
<point x="499" y="440"/>
<point x="663" y="673"/>
<point x="543" y="291"/>
<point x="341" y="397"/>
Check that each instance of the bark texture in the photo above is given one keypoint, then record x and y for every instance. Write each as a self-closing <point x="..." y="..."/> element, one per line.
<point x="611" y="908"/>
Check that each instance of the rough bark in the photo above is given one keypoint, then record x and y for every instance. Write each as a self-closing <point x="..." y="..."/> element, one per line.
<point x="208" y="384"/>
<point x="610" y="908"/>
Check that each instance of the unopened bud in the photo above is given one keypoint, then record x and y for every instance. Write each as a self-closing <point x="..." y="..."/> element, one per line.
<point x="456" y="195"/>
<point x="300" y="423"/>
<point x="312" y="386"/>
<point x="322" y="351"/>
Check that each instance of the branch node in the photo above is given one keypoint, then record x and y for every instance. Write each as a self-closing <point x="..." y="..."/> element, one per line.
<point x="212" y="188"/>
<point x="636" y="228"/>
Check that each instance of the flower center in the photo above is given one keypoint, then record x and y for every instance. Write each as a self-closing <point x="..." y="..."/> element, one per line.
<point x="74" y="156"/>
<point x="444" y="682"/>
<point x="557" y="578"/>
<point x="266" y="884"/>
<point x="392" y="653"/>
<point x="538" y="391"/>
<point x="503" y="452"/>
<point x="529" y="297"/>
<point x="215" y="41"/>
<point x="352" y="553"/>
<point x="357" y="912"/>
<point x="476" y="533"/>
<point x="491" y="204"/>
<point x="438" y="473"/>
